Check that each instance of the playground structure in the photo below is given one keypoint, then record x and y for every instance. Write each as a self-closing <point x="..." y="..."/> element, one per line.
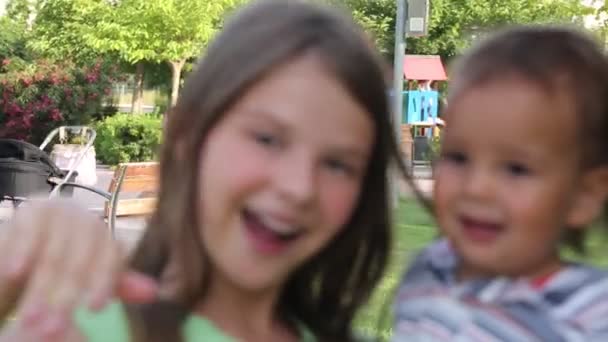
<point x="420" y="119"/>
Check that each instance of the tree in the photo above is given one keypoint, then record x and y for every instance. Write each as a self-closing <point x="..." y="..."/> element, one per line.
<point x="454" y="24"/>
<point x="600" y="19"/>
<point x="138" y="32"/>
<point x="376" y="17"/>
<point x="63" y="28"/>
<point x="13" y="33"/>
<point x="12" y="41"/>
<point x="169" y="31"/>
<point x="18" y="10"/>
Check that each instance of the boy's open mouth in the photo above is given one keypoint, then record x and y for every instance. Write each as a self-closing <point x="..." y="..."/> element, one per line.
<point x="480" y="230"/>
<point x="268" y="235"/>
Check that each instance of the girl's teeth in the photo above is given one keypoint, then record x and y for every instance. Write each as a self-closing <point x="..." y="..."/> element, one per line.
<point x="277" y="226"/>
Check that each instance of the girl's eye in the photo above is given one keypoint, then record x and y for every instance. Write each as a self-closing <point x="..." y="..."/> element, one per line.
<point x="337" y="165"/>
<point x="517" y="169"/>
<point x="454" y="157"/>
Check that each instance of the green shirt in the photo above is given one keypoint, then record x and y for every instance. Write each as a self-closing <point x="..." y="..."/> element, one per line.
<point x="111" y="324"/>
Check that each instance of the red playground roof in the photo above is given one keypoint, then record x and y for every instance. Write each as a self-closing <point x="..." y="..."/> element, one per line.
<point x="420" y="67"/>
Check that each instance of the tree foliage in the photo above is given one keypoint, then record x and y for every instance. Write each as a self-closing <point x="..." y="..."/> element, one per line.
<point x="12" y="41"/>
<point x="138" y="32"/>
<point x="169" y="31"/>
<point x="145" y="33"/>
<point x="64" y="28"/>
<point x="454" y="24"/>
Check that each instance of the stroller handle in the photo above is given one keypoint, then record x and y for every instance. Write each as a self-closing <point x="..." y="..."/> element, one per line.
<point x="86" y="131"/>
<point x="89" y="133"/>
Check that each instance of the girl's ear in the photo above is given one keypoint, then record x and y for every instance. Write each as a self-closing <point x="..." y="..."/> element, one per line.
<point x="176" y="141"/>
<point x="179" y="149"/>
<point x="590" y="198"/>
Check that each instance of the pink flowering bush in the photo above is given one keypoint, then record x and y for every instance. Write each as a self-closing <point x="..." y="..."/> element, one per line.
<point x="43" y="96"/>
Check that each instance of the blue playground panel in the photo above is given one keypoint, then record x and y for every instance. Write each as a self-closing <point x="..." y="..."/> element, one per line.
<point x="419" y="105"/>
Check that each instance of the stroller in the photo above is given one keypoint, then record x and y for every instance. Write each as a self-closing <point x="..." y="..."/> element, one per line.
<point x="26" y="170"/>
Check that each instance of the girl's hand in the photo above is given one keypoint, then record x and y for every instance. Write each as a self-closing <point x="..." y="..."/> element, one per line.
<point x="57" y="256"/>
<point x="19" y="332"/>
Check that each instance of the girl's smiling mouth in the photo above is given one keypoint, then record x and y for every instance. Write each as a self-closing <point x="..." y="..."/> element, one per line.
<point x="269" y="236"/>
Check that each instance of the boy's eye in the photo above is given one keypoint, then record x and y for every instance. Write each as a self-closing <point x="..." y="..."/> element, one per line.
<point x="517" y="169"/>
<point x="266" y="139"/>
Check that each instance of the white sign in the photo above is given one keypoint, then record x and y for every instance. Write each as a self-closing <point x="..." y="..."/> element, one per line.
<point x="417" y="25"/>
<point x="417" y="18"/>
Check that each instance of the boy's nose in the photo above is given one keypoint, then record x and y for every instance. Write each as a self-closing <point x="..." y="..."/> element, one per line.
<point x="479" y="184"/>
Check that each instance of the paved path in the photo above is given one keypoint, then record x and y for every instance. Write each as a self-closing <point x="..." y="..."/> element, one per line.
<point x="129" y="229"/>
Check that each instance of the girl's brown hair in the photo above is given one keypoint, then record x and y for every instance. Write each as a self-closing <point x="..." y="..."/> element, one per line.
<point x="325" y="292"/>
<point x="560" y="61"/>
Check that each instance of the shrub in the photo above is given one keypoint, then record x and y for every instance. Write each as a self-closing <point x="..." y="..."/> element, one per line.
<point x="44" y="96"/>
<point x="128" y="138"/>
<point x="434" y="148"/>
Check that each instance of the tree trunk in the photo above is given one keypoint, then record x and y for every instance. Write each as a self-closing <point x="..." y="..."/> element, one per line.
<point x="138" y="90"/>
<point x="176" y="74"/>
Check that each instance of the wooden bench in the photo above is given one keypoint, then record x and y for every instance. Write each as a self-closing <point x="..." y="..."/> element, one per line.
<point x="133" y="191"/>
<point x="138" y="182"/>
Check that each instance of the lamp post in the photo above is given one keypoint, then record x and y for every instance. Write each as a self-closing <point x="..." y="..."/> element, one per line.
<point x="412" y="20"/>
<point x="397" y="98"/>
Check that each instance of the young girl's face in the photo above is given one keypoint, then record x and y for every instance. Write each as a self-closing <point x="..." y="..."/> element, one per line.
<point x="506" y="183"/>
<point x="280" y="174"/>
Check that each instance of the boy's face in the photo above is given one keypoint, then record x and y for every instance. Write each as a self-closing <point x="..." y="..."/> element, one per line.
<point x="507" y="180"/>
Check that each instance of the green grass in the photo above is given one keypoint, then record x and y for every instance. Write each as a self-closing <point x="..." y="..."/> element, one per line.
<point x="414" y="229"/>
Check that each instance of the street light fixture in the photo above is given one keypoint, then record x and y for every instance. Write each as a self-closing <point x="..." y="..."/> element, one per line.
<point x="412" y="19"/>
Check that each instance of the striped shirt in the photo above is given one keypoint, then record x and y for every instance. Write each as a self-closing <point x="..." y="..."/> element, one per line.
<point x="571" y="305"/>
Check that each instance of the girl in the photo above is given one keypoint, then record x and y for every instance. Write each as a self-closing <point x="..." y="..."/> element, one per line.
<point x="272" y="221"/>
<point x="523" y="170"/>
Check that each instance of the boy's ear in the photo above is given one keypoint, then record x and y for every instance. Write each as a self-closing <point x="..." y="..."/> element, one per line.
<point x="590" y="198"/>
